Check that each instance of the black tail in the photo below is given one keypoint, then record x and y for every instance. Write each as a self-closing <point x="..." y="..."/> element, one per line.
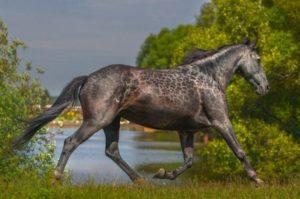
<point x="67" y="97"/>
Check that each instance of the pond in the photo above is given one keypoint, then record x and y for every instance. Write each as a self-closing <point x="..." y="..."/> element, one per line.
<point x="136" y="148"/>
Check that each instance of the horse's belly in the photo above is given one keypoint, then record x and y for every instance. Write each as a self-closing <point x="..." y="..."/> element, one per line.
<point x="159" y="119"/>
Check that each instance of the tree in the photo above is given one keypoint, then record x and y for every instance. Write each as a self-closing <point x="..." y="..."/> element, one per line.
<point x="157" y="50"/>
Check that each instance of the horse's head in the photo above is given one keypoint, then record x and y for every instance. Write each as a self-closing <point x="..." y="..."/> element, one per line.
<point x="250" y="68"/>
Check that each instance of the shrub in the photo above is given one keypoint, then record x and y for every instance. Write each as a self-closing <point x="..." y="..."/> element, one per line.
<point x="273" y="153"/>
<point x="20" y="97"/>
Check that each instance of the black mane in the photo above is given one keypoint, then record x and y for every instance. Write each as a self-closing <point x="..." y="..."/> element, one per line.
<point x="198" y="53"/>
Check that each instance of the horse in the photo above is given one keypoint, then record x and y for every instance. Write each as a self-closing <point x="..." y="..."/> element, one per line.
<point x="188" y="98"/>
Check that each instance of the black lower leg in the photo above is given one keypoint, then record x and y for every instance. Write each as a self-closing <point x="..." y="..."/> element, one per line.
<point x="112" y="149"/>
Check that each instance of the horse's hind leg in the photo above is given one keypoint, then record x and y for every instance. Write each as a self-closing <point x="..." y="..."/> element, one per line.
<point x="112" y="150"/>
<point x="86" y="130"/>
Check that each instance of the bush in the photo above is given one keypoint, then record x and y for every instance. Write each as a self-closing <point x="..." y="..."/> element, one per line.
<point x="273" y="153"/>
<point x="20" y="97"/>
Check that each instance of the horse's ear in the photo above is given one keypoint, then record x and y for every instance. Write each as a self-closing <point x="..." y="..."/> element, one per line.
<point x="253" y="44"/>
<point x="246" y="41"/>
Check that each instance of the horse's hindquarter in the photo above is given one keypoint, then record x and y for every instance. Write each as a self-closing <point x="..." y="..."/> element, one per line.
<point x="162" y="99"/>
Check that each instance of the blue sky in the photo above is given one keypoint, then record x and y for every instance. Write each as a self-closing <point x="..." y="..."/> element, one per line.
<point x="75" y="37"/>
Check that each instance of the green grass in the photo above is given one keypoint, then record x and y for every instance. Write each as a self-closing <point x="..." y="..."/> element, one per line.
<point x="33" y="187"/>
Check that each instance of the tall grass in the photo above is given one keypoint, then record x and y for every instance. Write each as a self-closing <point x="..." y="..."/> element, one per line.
<point x="32" y="186"/>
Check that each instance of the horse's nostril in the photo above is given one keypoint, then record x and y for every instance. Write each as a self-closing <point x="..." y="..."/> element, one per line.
<point x="267" y="87"/>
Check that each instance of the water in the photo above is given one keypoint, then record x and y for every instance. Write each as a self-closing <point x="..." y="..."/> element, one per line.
<point x="89" y="160"/>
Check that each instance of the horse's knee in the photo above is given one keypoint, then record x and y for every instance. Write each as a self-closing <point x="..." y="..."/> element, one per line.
<point x="112" y="151"/>
<point x="189" y="163"/>
<point x="109" y="153"/>
<point x="68" y="140"/>
<point x="68" y="144"/>
<point x="112" y="155"/>
<point x="240" y="154"/>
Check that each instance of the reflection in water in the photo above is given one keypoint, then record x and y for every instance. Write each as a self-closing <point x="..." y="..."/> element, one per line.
<point x="89" y="159"/>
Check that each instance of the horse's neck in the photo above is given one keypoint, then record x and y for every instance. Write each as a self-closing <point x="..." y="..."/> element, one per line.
<point x="220" y="66"/>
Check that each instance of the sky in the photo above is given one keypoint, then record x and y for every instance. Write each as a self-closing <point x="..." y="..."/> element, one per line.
<point x="68" y="38"/>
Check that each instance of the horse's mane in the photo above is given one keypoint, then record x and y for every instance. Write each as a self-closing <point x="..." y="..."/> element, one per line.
<point x="198" y="53"/>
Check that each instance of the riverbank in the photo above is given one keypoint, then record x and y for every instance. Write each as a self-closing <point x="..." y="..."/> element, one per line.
<point x="76" y="123"/>
<point x="33" y="187"/>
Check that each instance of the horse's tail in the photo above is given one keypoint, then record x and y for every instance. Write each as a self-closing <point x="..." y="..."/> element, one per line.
<point x="67" y="97"/>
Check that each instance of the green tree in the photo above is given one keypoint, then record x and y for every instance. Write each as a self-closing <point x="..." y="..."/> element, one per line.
<point x="276" y="23"/>
<point x="20" y="97"/>
<point x="157" y="50"/>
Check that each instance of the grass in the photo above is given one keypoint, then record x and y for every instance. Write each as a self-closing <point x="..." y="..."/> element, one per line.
<point x="31" y="186"/>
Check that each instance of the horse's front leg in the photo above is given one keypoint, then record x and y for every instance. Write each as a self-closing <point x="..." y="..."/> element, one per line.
<point x="215" y="107"/>
<point x="187" y="146"/>
<point x="226" y="130"/>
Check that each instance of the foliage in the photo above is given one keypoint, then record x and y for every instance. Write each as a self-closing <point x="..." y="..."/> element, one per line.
<point x="20" y="96"/>
<point x="274" y="154"/>
<point x="276" y="23"/>
<point x="157" y="50"/>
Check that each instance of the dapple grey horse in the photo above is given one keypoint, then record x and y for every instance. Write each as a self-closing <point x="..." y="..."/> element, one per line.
<point x="187" y="99"/>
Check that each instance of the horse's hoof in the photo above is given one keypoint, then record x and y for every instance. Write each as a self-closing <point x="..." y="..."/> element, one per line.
<point x="258" y="182"/>
<point x="140" y="181"/>
<point x="160" y="174"/>
<point x="55" y="182"/>
<point x="57" y="175"/>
